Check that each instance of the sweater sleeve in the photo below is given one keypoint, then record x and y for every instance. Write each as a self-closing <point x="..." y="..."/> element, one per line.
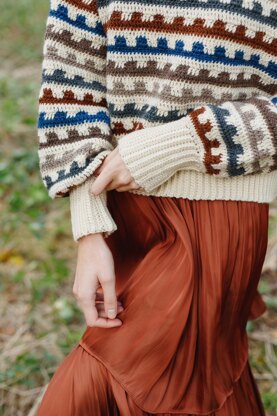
<point x="74" y="124"/>
<point x="226" y="140"/>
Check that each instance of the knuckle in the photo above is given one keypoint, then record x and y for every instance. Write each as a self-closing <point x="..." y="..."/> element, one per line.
<point x="125" y="181"/>
<point x="82" y="297"/>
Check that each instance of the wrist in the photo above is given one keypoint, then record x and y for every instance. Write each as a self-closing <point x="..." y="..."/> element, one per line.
<point x="91" y="237"/>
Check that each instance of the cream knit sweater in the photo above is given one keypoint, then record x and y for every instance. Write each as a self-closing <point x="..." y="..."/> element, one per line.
<point x="189" y="100"/>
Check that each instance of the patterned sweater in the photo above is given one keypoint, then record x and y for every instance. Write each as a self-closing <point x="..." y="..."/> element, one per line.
<point x="185" y="88"/>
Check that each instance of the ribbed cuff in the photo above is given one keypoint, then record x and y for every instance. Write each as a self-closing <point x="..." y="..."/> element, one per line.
<point x="89" y="213"/>
<point x="155" y="153"/>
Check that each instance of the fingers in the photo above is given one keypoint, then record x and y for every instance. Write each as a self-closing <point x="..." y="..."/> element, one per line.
<point x="113" y="174"/>
<point x="95" y="282"/>
<point x="110" y="298"/>
<point x="100" y="297"/>
<point x="96" y="315"/>
<point x="117" y="182"/>
<point x="101" y="182"/>
<point x="89" y="310"/>
<point x="101" y="307"/>
<point x="131" y="185"/>
<point x="101" y="310"/>
<point x="107" y="323"/>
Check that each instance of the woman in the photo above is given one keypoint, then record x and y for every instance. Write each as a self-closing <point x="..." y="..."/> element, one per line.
<point x="158" y="121"/>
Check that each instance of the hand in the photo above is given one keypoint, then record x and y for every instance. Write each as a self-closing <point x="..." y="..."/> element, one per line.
<point x="95" y="270"/>
<point x="113" y="174"/>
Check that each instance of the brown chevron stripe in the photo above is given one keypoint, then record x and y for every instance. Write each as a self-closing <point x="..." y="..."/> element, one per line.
<point x="119" y="129"/>
<point x="56" y="160"/>
<point x="187" y="96"/>
<point x="187" y="99"/>
<point x="183" y="72"/>
<point x="218" y="30"/>
<point x="69" y="98"/>
<point x="92" y="7"/>
<point x="73" y="137"/>
<point x="71" y="60"/>
<point x="66" y="38"/>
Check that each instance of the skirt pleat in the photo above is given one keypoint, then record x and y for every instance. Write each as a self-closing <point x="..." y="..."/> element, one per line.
<point x="187" y="273"/>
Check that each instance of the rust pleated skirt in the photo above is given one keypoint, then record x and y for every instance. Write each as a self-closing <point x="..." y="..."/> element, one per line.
<point x="187" y="273"/>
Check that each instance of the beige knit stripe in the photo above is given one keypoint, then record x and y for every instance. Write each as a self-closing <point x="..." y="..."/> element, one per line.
<point x="129" y="7"/>
<point x="71" y="109"/>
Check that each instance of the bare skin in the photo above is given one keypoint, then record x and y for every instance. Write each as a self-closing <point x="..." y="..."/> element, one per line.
<point x="94" y="285"/>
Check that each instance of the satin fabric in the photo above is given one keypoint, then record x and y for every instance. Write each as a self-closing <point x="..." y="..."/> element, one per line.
<point x="187" y="273"/>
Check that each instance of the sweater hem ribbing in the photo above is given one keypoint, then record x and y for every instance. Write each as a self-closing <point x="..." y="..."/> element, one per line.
<point x="196" y="185"/>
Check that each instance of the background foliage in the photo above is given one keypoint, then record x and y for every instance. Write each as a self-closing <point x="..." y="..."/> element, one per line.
<point x="39" y="319"/>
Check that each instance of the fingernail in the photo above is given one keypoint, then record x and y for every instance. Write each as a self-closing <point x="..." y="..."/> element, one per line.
<point x="111" y="313"/>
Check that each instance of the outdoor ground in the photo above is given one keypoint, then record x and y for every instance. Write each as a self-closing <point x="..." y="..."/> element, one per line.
<point x="39" y="319"/>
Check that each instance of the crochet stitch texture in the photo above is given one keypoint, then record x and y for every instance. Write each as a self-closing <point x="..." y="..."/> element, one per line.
<point x="186" y="89"/>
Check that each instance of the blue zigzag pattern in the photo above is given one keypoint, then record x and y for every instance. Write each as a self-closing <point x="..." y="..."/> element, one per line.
<point x="197" y="53"/>
<point x="81" y="22"/>
<point x="61" y="119"/>
<point x="74" y="171"/>
<point x="59" y="77"/>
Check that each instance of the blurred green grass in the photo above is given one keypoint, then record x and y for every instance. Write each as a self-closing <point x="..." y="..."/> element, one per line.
<point x="39" y="319"/>
<point x="22" y="23"/>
